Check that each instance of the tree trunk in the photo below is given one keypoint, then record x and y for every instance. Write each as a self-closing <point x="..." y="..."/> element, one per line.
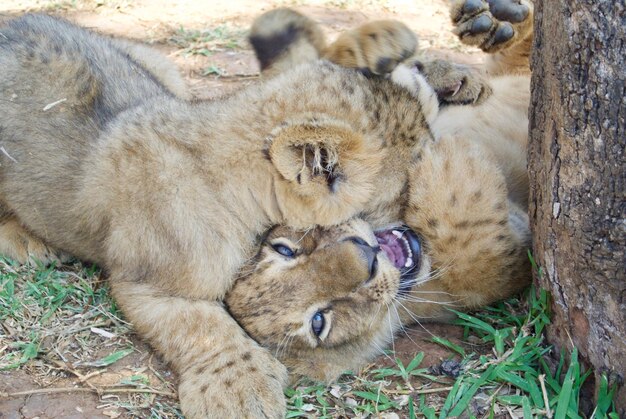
<point x="577" y="176"/>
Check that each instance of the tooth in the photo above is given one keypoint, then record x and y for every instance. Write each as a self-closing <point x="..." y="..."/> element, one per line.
<point x="396" y="233"/>
<point x="406" y="246"/>
<point x="458" y="87"/>
<point x="409" y="263"/>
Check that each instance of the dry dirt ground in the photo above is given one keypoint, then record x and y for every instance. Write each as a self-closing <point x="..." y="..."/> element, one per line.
<point x="72" y="370"/>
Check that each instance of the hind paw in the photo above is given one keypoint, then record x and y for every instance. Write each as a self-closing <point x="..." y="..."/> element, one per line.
<point x="491" y="25"/>
<point x="374" y="48"/>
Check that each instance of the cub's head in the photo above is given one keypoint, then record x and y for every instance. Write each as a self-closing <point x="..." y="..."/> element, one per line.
<point x="326" y="300"/>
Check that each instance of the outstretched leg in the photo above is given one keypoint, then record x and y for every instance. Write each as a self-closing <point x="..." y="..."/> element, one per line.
<point x="223" y="373"/>
<point x="374" y="48"/>
<point x="283" y="38"/>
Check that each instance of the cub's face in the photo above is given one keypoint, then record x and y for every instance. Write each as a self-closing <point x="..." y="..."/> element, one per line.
<point x="325" y="300"/>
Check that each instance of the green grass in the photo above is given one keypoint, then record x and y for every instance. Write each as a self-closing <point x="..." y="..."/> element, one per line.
<point x="44" y="307"/>
<point x="506" y="379"/>
<point x="61" y="324"/>
<point x="506" y="368"/>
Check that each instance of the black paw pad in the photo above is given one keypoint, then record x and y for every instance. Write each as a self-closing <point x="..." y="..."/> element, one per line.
<point x="481" y="24"/>
<point x="503" y="33"/>
<point x="472" y="6"/>
<point x="508" y="10"/>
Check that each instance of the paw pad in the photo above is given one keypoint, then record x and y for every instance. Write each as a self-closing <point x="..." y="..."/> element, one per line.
<point x="508" y="10"/>
<point x="503" y="33"/>
<point x="472" y="6"/>
<point x="481" y="25"/>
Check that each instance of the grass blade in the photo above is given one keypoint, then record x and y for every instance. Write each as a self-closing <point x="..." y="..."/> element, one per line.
<point x="109" y="359"/>
<point x="445" y="342"/>
<point x="467" y="397"/>
<point x="565" y="394"/>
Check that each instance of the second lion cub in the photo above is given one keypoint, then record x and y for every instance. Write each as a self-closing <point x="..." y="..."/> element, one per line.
<point x="100" y="160"/>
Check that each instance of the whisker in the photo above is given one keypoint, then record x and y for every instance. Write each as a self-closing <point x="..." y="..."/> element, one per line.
<point x="427" y="301"/>
<point x="391" y="331"/>
<point x="402" y="327"/>
<point x="382" y="351"/>
<point x="417" y="321"/>
<point x="427" y="292"/>
<point x="375" y="316"/>
<point x="279" y="346"/>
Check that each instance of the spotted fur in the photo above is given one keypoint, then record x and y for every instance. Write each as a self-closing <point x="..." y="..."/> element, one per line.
<point x="466" y="196"/>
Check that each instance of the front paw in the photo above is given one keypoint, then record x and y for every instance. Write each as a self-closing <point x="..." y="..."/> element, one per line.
<point x="454" y="84"/>
<point x="326" y="169"/>
<point x="243" y="383"/>
<point x="19" y="244"/>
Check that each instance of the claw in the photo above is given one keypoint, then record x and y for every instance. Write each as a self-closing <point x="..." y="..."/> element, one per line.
<point x="457" y="88"/>
<point x="449" y="91"/>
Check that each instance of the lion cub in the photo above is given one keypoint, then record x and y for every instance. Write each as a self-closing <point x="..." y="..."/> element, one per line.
<point x="327" y="300"/>
<point x="101" y="160"/>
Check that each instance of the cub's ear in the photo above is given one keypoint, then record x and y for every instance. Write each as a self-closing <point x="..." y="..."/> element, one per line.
<point x="319" y="154"/>
<point x="326" y="166"/>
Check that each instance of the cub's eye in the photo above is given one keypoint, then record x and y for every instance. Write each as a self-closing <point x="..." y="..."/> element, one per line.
<point x="317" y="323"/>
<point x="284" y="250"/>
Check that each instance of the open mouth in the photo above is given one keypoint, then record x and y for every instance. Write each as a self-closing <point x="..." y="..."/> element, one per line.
<point x="403" y="248"/>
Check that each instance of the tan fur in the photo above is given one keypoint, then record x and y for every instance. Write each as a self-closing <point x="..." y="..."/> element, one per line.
<point x="467" y="197"/>
<point x="330" y="274"/>
<point x="284" y="38"/>
<point x="102" y="160"/>
<point x="361" y="48"/>
<point x="474" y="253"/>
<point x="158" y="65"/>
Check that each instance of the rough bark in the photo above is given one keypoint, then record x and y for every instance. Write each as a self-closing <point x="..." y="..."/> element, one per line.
<point x="577" y="176"/>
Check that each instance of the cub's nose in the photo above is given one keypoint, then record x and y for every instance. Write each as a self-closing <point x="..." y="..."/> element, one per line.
<point x="369" y="253"/>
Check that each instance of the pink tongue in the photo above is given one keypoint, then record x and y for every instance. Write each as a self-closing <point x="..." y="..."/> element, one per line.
<point x="390" y="244"/>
